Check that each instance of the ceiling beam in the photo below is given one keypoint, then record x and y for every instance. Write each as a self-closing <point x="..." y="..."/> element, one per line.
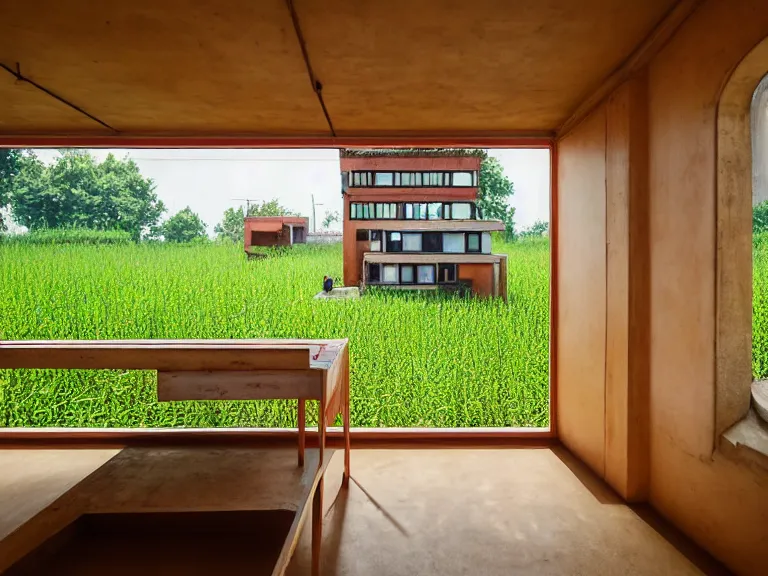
<point x="642" y="56"/>
<point x="317" y="86"/>
<point x="21" y="78"/>
<point x="123" y="140"/>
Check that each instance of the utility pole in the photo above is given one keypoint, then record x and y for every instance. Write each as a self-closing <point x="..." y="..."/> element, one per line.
<point x="314" y="216"/>
<point x="247" y="203"/>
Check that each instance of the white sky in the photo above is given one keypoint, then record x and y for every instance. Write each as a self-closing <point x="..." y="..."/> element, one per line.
<point x="210" y="181"/>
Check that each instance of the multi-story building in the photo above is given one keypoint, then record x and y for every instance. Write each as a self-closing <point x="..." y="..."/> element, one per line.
<point x="411" y="221"/>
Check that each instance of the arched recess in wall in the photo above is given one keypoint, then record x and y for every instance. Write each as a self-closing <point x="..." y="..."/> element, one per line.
<point x="734" y="239"/>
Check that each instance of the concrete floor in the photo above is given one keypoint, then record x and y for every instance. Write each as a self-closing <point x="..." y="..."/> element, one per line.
<point x="416" y="512"/>
<point x="487" y="512"/>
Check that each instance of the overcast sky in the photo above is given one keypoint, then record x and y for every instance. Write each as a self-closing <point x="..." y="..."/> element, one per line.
<point x="210" y="181"/>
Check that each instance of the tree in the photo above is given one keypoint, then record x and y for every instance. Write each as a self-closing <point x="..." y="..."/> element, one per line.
<point x="77" y="191"/>
<point x="760" y="218"/>
<point x="231" y="225"/>
<point x="538" y="228"/>
<point x="494" y="193"/>
<point x="10" y="164"/>
<point x="330" y="218"/>
<point x="184" y="226"/>
<point x="271" y="208"/>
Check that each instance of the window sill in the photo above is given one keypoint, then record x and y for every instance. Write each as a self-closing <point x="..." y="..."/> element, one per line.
<point x="747" y="441"/>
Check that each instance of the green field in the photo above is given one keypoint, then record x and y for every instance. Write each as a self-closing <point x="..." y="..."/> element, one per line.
<point x="416" y="360"/>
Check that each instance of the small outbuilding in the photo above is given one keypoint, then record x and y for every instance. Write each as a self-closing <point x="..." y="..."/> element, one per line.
<point x="271" y="231"/>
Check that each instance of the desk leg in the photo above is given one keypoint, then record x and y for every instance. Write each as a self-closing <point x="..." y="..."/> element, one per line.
<point x="347" y="442"/>
<point x="302" y="425"/>
<point x="317" y="527"/>
<point x="321" y="429"/>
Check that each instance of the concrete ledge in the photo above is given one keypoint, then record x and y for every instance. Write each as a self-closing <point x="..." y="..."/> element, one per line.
<point x="760" y="398"/>
<point x="747" y="441"/>
<point x="343" y="293"/>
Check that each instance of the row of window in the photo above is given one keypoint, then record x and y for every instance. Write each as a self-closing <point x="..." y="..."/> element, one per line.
<point x="434" y="242"/>
<point x="453" y="178"/>
<point x="410" y="273"/>
<point x="414" y="211"/>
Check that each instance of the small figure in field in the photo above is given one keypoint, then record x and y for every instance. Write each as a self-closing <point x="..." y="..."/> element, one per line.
<point x="327" y="283"/>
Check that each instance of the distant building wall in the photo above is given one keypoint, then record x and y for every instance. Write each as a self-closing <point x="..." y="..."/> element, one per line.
<point x="480" y="275"/>
<point x="324" y="237"/>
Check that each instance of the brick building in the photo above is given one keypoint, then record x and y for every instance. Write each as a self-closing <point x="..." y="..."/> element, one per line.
<point x="411" y="221"/>
<point x="275" y="231"/>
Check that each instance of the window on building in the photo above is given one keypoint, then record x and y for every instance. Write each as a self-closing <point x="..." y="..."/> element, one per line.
<point x="389" y="273"/>
<point x="432" y="242"/>
<point x="462" y="179"/>
<point x="374" y="273"/>
<point x="446" y="273"/>
<point x="420" y="211"/>
<point x="355" y="178"/>
<point x="425" y="274"/>
<point x="379" y="211"/>
<point x="361" y="235"/>
<point x="453" y="242"/>
<point x="353" y="211"/>
<point x="486" y="243"/>
<point x="461" y="211"/>
<point x="407" y="274"/>
<point x="408" y="211"/>
<point x="434" y="211"/>
<point x="394" y="242"/>
<point x="375" y="240"/>
<point x="412" y="242"/>
<point x="383" y="179"/>
<point x="473" y="242"/>
<point x="406" y="179"/>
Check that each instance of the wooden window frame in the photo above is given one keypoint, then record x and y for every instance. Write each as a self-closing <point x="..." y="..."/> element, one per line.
<point x="360" y="436"/>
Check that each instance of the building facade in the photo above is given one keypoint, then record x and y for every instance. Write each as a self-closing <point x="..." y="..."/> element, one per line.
<point x="268" y="231"/>
<point x="411" y="221"/>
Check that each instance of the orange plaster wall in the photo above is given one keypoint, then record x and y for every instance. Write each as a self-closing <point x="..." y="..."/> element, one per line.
<point x="721" y="504"/>
<point x="582" y="290"/>
<point x="481" y="276"/>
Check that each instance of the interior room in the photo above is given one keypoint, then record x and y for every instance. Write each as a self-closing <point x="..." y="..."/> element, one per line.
<point x="655" y="459"/>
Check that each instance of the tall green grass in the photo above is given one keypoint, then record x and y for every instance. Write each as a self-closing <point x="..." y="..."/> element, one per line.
<point x="49" y="237"/>
<point x="760" y="306"/>
<point x="415" y="360"/>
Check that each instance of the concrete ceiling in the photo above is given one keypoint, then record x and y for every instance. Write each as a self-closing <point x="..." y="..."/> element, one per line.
<point x="235" y="67"/>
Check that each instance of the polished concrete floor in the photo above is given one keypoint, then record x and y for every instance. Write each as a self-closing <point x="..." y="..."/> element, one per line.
<point x="406" y="512"/>
<point x="488" y="512"/>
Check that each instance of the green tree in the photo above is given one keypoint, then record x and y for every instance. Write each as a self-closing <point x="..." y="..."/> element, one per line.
<point x="760" y="217"/>
<point x="77" y="191"/>
<point x="231" y="226"/>
<point x="10" y="164"/>
<point x="330" y="218"/>
<point x="538" y="228"/>
<point x="270" y="208"/>
<point x="184" y="226"/>
<point x="493" y="195"/>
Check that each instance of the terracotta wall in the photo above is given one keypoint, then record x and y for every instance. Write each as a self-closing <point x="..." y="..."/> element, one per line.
<point x="720" y="503"/>
<point x="481" y="276"/>
<point x="582" y="290"/>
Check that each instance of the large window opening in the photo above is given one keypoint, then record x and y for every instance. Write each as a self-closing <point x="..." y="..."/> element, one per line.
<point x="759" y="130"/>
<point x="236" y="244"/>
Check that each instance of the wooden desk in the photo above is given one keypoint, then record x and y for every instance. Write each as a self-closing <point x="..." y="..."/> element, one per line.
<point x="226" y="370"/>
